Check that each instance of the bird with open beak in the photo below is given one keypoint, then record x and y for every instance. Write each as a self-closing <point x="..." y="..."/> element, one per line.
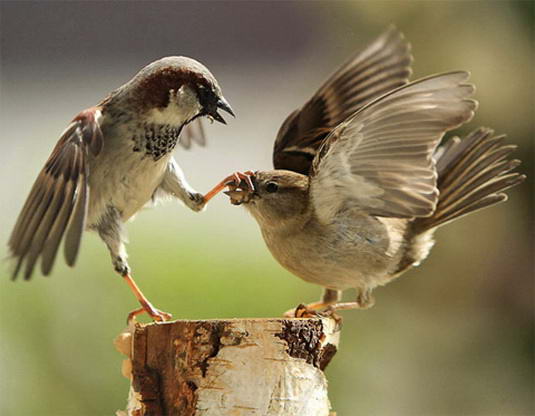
<point x="360" y="183"/>
<point x="111" y="161"/>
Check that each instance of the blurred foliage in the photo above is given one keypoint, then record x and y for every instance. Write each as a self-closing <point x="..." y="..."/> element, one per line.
<point x="452" y="337"/>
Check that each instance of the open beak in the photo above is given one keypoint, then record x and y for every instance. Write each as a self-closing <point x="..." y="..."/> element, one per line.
<point x="238" y="197"/>
<point x="223" y="105"/>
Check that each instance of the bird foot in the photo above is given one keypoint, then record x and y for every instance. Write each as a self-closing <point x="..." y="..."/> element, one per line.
<point x="314" y="310"/>
<point x="234" y="181"/>
<point x="146" y="306"/>
<point x="303" y="311"/>
<point x="156" y="314"/>
<point x="241" y="189"/>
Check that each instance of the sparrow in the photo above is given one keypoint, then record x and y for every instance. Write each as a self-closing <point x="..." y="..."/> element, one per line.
<point x="360" y="186"/>
<point x="112" y="160"/>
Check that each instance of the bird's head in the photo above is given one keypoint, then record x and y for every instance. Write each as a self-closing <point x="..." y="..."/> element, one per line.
<point x="272" y="197"/>
<point x="175" y="90"/>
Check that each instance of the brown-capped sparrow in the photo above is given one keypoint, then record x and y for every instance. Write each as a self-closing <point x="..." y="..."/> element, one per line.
<point x="112" y="160"/>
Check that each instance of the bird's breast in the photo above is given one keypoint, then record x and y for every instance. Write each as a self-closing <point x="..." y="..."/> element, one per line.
<point x="124" y="179"/>
<point x="154" y="141"/>
<point x="345" y="254"/>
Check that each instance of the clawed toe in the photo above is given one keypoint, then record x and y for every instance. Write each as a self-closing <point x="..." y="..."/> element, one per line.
<point x="155" y="314"/>
<point x="240" y="187"/>
<point x="237" y="181"/>
<point x="301" y="311"/>
<point x="304" y="311"/>
<point x="162" y="316"/>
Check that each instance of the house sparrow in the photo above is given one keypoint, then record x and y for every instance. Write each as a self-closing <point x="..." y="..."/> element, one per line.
<point x="111" y="161"/>
<point x="354" y="205"/>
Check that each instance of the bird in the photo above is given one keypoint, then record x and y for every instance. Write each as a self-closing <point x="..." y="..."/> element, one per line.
<point x="361" y="184"/>
<point x="112" y="160"/>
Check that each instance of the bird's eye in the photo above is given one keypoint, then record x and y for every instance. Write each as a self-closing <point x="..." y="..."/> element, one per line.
<point x="272" y="187"/>
<point x="202" y="93"/>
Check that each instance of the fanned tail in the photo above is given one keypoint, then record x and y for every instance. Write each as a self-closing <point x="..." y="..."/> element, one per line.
<point x="472" y="174"/>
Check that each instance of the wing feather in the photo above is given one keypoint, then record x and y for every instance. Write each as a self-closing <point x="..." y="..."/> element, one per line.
<point x="78" y="219"/>
<point x="381" y="67"/>
<point x="57" y="204"/>
<point x="381" y="159"/>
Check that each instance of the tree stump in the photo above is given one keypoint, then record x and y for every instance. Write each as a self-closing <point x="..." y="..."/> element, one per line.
<point x="229" y="367"/>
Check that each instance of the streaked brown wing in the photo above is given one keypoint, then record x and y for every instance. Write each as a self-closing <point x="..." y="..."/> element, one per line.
<point x="56" y="208"/>
<point x="381" y="159"/>
<point x="193" y="133"/>
<point x="381" y="67"/>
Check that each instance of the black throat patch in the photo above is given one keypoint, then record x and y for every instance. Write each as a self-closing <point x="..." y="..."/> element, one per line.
<point x="156" y="140"/>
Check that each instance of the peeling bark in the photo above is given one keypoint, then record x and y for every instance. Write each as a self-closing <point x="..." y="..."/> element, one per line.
<point x="229" y="367"/>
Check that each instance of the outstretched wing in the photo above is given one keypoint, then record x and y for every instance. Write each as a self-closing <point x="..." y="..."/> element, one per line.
<point x="381" y="67"/>
<point x="381" y="159"/>
<point x="56" y="208"/>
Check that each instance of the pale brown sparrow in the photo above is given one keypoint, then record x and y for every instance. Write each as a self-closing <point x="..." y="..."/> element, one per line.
<point x="111" y="161"/>
<point x="354" y="203"/>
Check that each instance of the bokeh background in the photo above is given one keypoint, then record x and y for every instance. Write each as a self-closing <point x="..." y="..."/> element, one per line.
<point x="452" y="337"/>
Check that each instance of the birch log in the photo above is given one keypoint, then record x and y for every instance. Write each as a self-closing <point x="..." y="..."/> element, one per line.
<point x="232" y="367"/>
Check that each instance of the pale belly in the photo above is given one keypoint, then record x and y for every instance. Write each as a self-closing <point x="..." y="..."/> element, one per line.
<point x="337" y="257"/>
<point x="123" y="180"/>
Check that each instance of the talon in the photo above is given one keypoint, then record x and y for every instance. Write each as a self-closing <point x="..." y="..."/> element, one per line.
<point x="321" y="309"/>
<point x="237" y="179"/>
<point x="146" y="306"/>
<point x="156" y="314"/>
<point x="247" y="178"/>
<point x="232" y="181"/>
<point x="161" y="316"/>
<point x="301" y="311"/>
<point x="132" y="316"/>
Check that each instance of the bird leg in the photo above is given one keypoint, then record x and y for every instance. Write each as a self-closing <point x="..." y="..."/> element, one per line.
<point x="232" y="180"/>
<point x="364" y="300"/>
<point x="329" y="297"/>
<point x="146" y="306"/>
<point x="174" y="183"/>
<point x="110" y="229"/>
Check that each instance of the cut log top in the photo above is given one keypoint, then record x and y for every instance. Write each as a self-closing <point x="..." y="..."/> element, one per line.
<point x="229" y="367"/>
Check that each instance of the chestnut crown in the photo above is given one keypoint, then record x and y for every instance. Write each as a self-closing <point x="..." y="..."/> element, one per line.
<point x="155" y="85"/>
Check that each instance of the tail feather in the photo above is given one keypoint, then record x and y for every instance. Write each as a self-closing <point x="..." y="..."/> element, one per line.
<point x="472" y="174"/>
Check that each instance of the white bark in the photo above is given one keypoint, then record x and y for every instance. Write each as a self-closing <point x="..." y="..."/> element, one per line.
<point x="235" y="367"/>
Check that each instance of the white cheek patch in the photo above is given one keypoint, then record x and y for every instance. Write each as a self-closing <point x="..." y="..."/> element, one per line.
<point x="183" y="106"/>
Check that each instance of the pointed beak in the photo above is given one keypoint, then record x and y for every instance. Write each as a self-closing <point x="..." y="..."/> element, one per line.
<point x="223" y="105"/>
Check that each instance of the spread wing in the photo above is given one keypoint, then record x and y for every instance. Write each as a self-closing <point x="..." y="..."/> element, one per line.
<point x="56" y="208"/>
<point x="381" y="67"/>
<point x="193" y="133"/>
<point x="381" y="159"/>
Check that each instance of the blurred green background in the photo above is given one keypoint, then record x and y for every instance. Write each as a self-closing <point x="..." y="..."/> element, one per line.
<point x="452" y="337"/>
